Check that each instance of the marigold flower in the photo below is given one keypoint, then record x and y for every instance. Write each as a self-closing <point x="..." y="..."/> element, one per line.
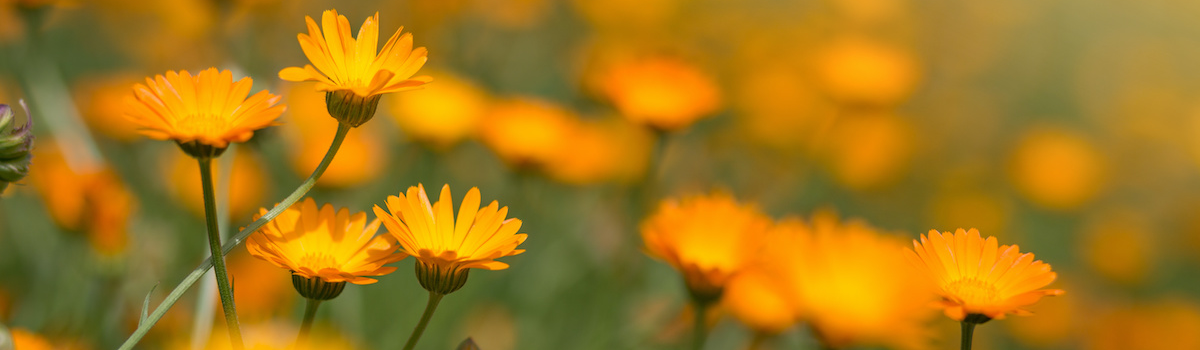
<point x="527" y="132"/>
<point x="706" y="238"/>
<point x="324" y="246"/>
<point x="1057" y="168"/>
<point x="93" y="202"/>
<point x="666" y="94"/>
<point x="863" y="72"/>
<point x="202" y="113"/>
<point x="848" y="281"/>
<point x="350" y="72"/>
<point x="977" y="277"/>
<point x="445" y="247"/>
<point x="756" y="296"/>
<point x="442" y="114"/>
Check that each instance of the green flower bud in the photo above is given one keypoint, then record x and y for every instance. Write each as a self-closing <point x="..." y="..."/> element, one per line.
<point x="350" y="108"/>
<point x="438" y="279"/>
<point x="468" y="344"/>
<point x="16" y="145"/>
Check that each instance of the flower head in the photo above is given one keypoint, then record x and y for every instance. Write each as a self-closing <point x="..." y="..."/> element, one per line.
<point x="663" y="93"/>
<point x="977" y="277"/>
<point x="446" y="246"/>
<point x="203" y="113"/>
<point x="321" y="245"/>
<point x="350" y="71"/>
<point x="706" y="238"/>
<point x="849" y="282"/>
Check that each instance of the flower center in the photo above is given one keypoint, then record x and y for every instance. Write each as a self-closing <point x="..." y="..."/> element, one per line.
<point x="318" y="261"/>
<point x="973" y="291"/>
<point x="203" y="124"/>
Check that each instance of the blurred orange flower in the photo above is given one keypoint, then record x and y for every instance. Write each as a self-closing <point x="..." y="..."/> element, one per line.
<point x="755" y="295"/>
<point x="862" y="71"/>
<point x="26" y="340"/>
<point x="527" y="132"/>
<point x="208" y="109"/>
<point x="1120" y="245"/>
<point x="101" y="102"/>
<point x="601" y="150"/>
<point x="363" y="154"/>
<point x="849" y="282"/>
<point x="975" y="276"/>
<point x="92" y="201"/>
<point x="247" y="182"/>
<point x="441" y="114"/>
<point x="446" y="247"/>
<point x="262" y="292"/>
<point x="350" y="71"/>
<point x="869" y="151"/>
<point x="1057" y="169"/>
<point x="1172" y="323"/>
<point x="707" y="239"/>
<point x="664" y="93"/>
<point x="321" y="243"/>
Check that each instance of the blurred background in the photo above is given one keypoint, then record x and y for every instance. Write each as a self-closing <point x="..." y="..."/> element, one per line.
<point x="1069" y="127"/>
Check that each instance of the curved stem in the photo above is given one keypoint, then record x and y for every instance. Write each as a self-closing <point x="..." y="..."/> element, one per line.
<point x="968" y="331"/>
<point x="434" y="299"/>
<point x="700" y="332"/>
<point x="237" y="239"/>
<point x="310" y="312"/>
<point x="214" y="245"/>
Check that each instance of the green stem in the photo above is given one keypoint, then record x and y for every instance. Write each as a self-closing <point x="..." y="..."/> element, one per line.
<point x="700" y="332"/>
<point x="434" y="299"/>
<point x="968" y="331"/>
<point x="218" y="261"/>
<point x="310" y="312"/>
<point x="153" y="317"/>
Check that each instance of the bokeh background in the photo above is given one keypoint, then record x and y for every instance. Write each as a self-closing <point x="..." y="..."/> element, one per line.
<point x="1069" y="127"/>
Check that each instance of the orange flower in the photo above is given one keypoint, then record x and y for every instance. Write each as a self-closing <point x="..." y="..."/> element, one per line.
<point x="1057" y="168"/>
<point x="205" y="112"/>
<point x="527" y="132"/>
<point x="350" y="71"/>
<point x="92" y="201"/>
<point x="975" y="276"/>
<point x="446" y="247"/>
<point x="101" y="102"/>
<point x="598" y="151"/>
<point x="666" y="94"/>
<point x="849" y="282"/>
<point x="755" y="295"/>
<point x="706" y="238"/>
<point x="26" y="340"/>
<point x="332" y="246"/>
<point x="860" y="71"/>
<point x="441" y="114"/>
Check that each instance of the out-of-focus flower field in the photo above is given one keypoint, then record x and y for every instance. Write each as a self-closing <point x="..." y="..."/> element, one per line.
<point x="1070" y="128"/>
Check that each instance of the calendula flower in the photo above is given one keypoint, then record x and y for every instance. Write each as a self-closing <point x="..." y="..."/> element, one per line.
<point x="976" y="276"/>
<point x="445" y="246"/>
<point x="202" y="113"/>
<point x="755" y="295"/>
<point x="348" y="69"/>
<point x="665" y="94"/>
<point x="324" y="248"/>
<point x="93" y="202"/>
<point x="706" y="238"/>
<point x="848" y="281"/>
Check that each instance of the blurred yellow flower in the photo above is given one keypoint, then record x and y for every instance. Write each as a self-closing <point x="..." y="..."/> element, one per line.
<point x="862" y="71"/>
<point x="91" y="201"/>
<point x="601" y="150"/>
<point x="663" y="93"/>
<point x="247" y="182"/>
<point x="324" y="243"/>
<point x="101" y="102"/>
<point x="1120" y="245"/>
<point x="442" y="114"/>
<point x="976" y="276"/>
<point x="1057" y="169"/>
<point x="350" y="71"/>
<point x="707" y="239"/>
<point x="1170" y="323"/>
<point x="849" y="282"/>
<point x="363" y="154"/>
<point x="869" y="151"/>
<point x="756" y="296"/>
<point x="205" y="112"/>
<point x="444" y="246"/>
<point x="526" y="132"/>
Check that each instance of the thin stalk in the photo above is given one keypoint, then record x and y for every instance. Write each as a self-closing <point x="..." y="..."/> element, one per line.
<point x="214" y="244"/>
<point x="237" y="239"/>
<point x="310" y="312"/>
<point x="699" y="332"/>
<point x="434" y="299"/>
<point x="968" y="331"/>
